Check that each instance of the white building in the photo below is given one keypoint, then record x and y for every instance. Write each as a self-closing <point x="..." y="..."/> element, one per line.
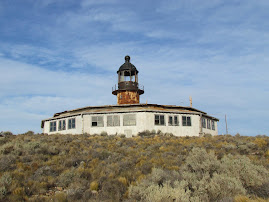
<point x="129" y="117"/>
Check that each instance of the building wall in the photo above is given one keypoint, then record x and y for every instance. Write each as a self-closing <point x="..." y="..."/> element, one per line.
<point x="210" y="131"/>
<point x="144" y="121"/>
<point x="149" y="124"/>
<point x="77" y="130"/>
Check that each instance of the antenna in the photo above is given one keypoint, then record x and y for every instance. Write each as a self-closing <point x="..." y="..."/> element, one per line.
<point x="226" y="125"/>
<point x="190" y="101"/>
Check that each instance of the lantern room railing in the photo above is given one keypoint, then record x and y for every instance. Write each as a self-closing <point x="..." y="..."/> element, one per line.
<point x="128" y="85"/>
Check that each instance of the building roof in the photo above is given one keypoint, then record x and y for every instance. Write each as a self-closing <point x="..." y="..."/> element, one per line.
<point x="127" y="66"/>
<point x="127" y="108"/>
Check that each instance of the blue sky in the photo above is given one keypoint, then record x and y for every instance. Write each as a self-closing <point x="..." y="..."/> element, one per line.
<point x="57" y="55"/>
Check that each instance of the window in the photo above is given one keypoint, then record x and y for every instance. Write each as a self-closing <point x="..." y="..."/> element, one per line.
<point x="129" y="120"/>
<point x="204" y="122"/>
<point x="159" y="120"/>
<point x="186" y="120"/>
<point x="208" y="124"/>
<point x="71" y="123"/>
<point x="61" y="125"/>
<point x="213" y="125"/>
<point x="173" y="121"/>
<point x="52" y="126"/>
<point x="113" y="120"/>
<point x="97" y="121"/>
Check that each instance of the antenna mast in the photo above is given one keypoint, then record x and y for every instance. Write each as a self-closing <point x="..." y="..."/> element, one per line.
<point x="226" y="125"/>
<point x="190" y="101"/>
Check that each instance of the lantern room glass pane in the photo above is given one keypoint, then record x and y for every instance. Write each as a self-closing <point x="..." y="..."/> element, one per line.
<point x="121" y="78"/>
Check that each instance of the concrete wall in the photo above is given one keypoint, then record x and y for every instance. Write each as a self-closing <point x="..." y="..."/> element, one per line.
<point x="144" y="121"/>
<point x="77" y="130"/>
<point x="210" y="131"/>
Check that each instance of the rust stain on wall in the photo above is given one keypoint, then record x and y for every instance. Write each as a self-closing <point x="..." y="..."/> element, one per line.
<point x="128" y="97"/>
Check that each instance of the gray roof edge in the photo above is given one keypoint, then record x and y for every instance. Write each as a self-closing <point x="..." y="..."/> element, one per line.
<point x="195" y="111"/>
<point x="131" y="105"/>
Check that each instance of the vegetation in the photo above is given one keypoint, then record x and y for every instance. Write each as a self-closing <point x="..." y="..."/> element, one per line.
<point x="150" y="167"/>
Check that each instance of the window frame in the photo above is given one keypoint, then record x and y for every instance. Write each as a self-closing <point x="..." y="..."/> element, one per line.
<point x="71" y="123"/>
<point x="213" y="125"/>
<point x="131" y="121"/>
<point x="173" y="120"/>
<point x="114" y="121"/>
<point x="158" y="121"/>
<point x="99" y="121"/>
<point x="53" y="128"/>
<point x="204" y="122"/>
<point x="61" y="125"/>
<point x="209" y="124"/>
<point x="187" y="121"/>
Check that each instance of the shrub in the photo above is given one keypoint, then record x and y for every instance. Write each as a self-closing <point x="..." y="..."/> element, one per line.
<point x="7" y="133"/>
<point x="155" y="168"/>
<point x="94" y="186"/>
<point x="3" y="192"/>
<point x="240" y="167"/>
<point x="146" y="133"/>
<point x="29" y="133"/>
<point x="7" y="163"/>
<point x="67" y="177"/>
<point x="222" y="186"/>
<point x="104" y="133"/>
<point x="60" y="197"/>
<point x="112" y="190"/>
<point x="203" y="178"/>
<point x="260" y="191"/>
<point x="208" y="135"/>
<point x="158" y="193"/>
<point x="199" y="163"/>
<point x="153" y="183"/>
<point x="5" y="180"/>
<point x="75" y="192"/>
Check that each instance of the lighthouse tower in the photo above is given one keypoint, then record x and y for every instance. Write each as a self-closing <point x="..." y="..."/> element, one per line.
<point x="128" y="90"/>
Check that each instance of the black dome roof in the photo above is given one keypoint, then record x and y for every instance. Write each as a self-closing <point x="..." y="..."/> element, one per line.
<point x="127" y="66"/>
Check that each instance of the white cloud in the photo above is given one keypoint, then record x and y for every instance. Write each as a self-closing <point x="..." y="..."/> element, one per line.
<point x="32" y="92"/>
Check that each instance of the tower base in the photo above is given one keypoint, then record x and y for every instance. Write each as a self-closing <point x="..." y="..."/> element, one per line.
<point x="128" y="97"/>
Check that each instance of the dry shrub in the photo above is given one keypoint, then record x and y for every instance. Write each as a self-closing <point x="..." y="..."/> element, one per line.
<point x="6" y="133"/>
<point x="241" y="198"/>
<point x="241" y="168"/>
<point x="112" y="190"/>
<point x="75" y="192"/>
<point x="203" y="178"/>
<point x="67" y="177"/>
<point x="60" y="197"/>
<point x="94" y="186"/>
<point x="7" y="162"/>
<point x="40" y="162"/>
<point x="3" y="192"/>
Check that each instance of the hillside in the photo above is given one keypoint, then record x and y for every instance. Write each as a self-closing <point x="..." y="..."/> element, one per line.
<point x="150" y="167"/>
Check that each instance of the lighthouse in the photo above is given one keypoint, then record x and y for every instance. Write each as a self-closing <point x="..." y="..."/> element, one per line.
<point x="128" y="90"/>
<point x="129" y="116"/>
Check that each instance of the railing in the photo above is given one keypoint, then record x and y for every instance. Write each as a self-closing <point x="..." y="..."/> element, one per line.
<point x="127" y="85"/>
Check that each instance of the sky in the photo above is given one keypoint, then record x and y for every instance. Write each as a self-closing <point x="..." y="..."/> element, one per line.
<point x="58" y="55"/>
